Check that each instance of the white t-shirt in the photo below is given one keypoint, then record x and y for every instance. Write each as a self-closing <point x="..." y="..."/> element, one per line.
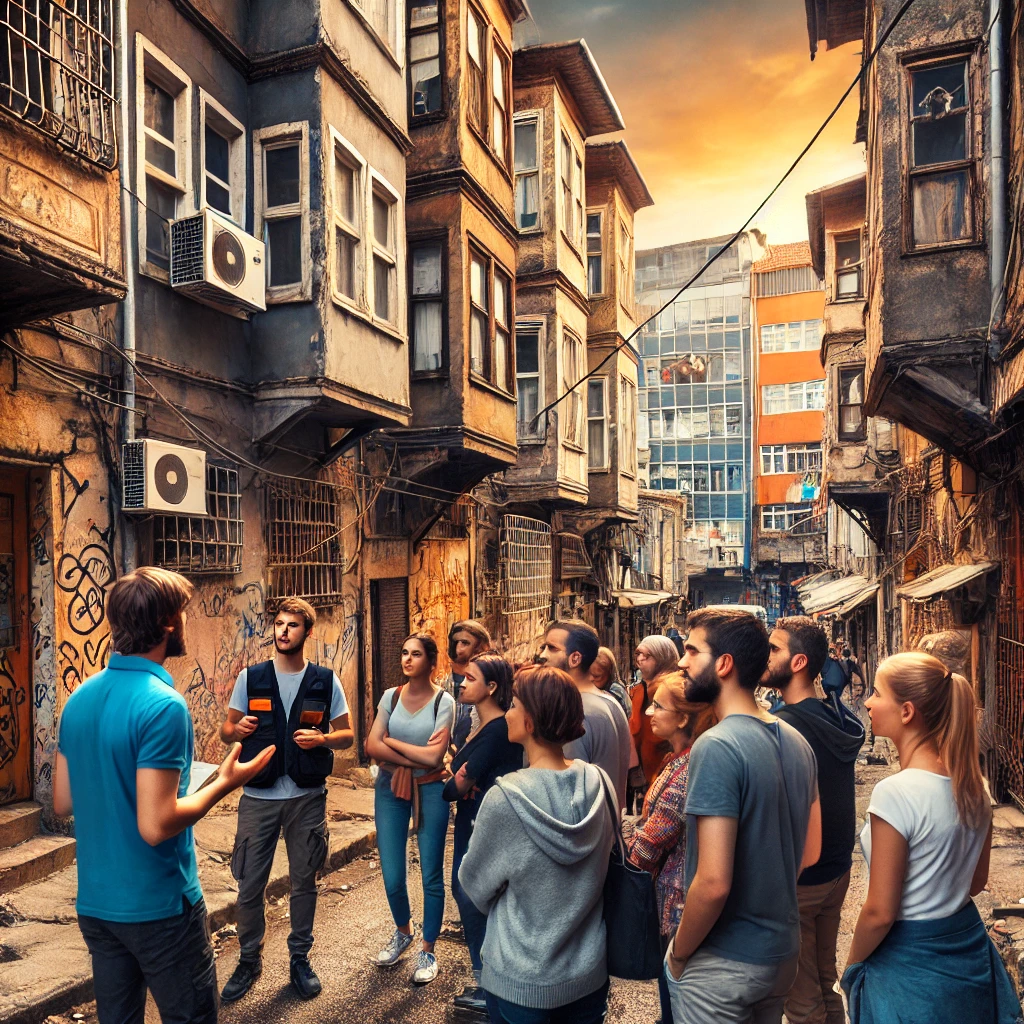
<point x="288" y="685"/>
<point x="942" y="852"/>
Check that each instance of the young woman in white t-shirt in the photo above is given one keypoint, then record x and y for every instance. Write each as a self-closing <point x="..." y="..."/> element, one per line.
<point x="920" y="950"/>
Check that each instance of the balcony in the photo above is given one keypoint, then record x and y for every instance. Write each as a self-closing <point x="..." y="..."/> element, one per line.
<point x="60" y="238"/>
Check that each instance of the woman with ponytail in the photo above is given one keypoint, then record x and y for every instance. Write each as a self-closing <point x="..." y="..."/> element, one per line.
<point x="920" y="951"/>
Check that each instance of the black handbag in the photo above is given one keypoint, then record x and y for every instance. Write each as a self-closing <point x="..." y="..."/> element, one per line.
<point x="630" y="914"/>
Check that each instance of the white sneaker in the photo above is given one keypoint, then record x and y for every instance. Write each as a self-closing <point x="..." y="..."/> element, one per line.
<point x="426" y="968"/>
<point x="393" y="951"/>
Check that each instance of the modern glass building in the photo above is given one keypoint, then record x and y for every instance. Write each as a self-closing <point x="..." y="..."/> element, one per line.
<point x="696" y="408"/>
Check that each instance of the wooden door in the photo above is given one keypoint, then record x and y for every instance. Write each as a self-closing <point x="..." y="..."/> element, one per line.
<point x="15" y="706"/>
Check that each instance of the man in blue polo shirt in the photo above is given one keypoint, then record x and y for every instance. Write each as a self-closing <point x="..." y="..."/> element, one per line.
<point x="124" y="754"/>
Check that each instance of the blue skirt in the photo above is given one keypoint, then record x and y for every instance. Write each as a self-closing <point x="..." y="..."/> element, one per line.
<point x="933" y="972"/>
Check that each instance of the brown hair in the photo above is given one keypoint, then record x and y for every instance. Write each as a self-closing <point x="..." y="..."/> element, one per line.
<point x="740" y="634"/>
<point x="606" y="657"/>
<point x="582" y="639"/>
<point x="945" y="702"/>
<point x="806" y="637"/>
<point x="142" y="605"/>
<point x="701" y="717"/>
<point x="550" y="698"/>
<point x="297" y="606"/>
<point x="495" y="669"/>
<point x="428" y="643"/>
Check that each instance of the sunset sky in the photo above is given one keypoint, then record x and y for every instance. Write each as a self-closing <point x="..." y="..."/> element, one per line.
<point x="718" y="97"/>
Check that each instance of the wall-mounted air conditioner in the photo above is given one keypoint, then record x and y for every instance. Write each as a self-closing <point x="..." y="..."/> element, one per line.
<point x="215" y="262"/>
<point x="162" y="477"/>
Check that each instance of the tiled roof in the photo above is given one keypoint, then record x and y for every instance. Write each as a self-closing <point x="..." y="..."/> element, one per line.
<point x="781" y="257"/>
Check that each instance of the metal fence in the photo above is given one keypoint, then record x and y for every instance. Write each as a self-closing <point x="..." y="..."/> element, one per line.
<point x="57" y="72"/>
<point x="524" y="582"/>
<point x="1008" y="720"/>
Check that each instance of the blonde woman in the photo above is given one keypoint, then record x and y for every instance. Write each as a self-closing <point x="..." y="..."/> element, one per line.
<point x="604" y="674"/>
<point x="920" y="951"/>
<point x="656" y="656"/>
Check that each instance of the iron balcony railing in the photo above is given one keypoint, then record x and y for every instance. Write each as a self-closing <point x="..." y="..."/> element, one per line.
<point x="57" y="72"/>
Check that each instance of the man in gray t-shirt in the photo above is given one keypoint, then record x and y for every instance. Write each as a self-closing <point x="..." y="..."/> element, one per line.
<point x="753" y="822"/>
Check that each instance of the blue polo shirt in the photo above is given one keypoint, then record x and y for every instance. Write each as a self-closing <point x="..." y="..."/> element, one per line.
<point x="128" y="716"/>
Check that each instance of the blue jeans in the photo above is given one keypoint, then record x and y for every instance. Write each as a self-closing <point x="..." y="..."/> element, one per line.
<point x="392" y="817"/>
<point x="474" y="924"/>
<point x="591" y="1009"/>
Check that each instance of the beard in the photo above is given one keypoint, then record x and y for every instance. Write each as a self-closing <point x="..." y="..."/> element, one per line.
<point x="778" y="678"/>
<point x="289" y="649"/>
<point x="704" y="687"/>
<point x="176" y="642"/>
<point x="554" y="661"/>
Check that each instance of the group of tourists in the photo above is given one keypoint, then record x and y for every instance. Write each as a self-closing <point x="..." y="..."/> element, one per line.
<point x="743" y="819"/>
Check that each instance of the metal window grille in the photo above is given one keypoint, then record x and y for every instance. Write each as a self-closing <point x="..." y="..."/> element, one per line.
<point x="453" y="523"/>
<point x="574" y="560"/>
<point x="788" y="281"/>
<point x="57" y="72"/>
<point x="1008" y="719"/>
<point x="524" y="583"/>
<point x="302" y="524"/>
<point x="202" y="546"/>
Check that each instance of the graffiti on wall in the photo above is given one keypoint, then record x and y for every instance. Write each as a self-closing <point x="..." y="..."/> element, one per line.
<point x="439" y="592"/>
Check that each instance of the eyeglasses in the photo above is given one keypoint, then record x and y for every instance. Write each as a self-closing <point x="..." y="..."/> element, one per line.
<point x="655" y="706"/>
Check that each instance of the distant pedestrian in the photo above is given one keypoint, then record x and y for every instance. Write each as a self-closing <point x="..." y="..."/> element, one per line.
<point x="572" y="646"/>
<point x="656" y="658"/>
<point x="920" y="951"/>
<point x="124" y="755"/>
<point x="753" y="824"/>
<point x="851" y="667"/>
<point x="657" y="841"/>
<point x="799" y="648"/>
<point x="604" y="674"/>
<point x="537" y="863"/>
<point x="301" y="707"/>
<point x="409" y="738"/>
<point x="486" y="755"/>
<point x="466" y="639"/>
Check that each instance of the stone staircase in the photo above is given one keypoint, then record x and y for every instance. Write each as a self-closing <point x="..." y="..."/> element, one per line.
<point x="25" y="854"/>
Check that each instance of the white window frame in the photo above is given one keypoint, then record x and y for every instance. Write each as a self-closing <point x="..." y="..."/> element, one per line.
<point x="573" y="420"/>
<point x="838" y="237"/>
<point x="770" y="452"/>
<point x="599" y="212"/>
<point x="165" y="73"/>
<point x="264" y="139"/>
<point x="605" y="465"/>
<point x="358" y="302"/>
<point x="574" y="231"/>
<point x="228" y="126"/>
<point x="790" y="514"/>
<point x="537" y="171"/>
<point x="394" y="46"/>
<point x="536" y="435"/>
<point x="794" y="397"/>
<point x="395" y="256"/>
<point x="627" y="420"/>
<point x="794" y="336"/>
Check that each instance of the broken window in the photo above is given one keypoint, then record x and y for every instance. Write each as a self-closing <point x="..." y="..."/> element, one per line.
<point x="849" y="267"/>
<point x="851" y="404"/>
<point x="940" y="153"/>
<point x="424" y="57"/>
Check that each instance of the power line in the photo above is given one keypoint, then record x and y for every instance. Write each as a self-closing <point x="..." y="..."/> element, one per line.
<point x="760" y="206"/>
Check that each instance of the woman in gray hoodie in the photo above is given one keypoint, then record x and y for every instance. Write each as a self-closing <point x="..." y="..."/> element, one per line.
<point x="536" y="866"/>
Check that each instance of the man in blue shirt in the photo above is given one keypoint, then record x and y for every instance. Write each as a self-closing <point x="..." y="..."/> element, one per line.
<point x="124" y="754"/>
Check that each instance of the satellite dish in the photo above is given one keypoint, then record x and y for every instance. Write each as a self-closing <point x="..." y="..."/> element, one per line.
<point x="228" y="258"/>
<point x="171" y="479"/>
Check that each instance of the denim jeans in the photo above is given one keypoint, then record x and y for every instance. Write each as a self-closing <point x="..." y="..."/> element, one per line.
<point x="474" y="924"/>
<point x="172" y="958"/>
<point x="591" y="1009"/>
<point x="392" y="817"/>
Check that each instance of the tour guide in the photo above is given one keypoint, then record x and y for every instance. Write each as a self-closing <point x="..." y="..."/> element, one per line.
<point x="300" y="707"/>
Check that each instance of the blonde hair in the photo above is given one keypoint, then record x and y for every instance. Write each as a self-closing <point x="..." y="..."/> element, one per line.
<point x="606" y="657"/>
<point x="662" y="650"/>
<point x="945" y="702"/>
<point x="701" y="716"/>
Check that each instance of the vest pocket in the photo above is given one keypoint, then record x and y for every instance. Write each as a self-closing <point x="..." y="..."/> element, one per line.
<point x="264" y="736"/>
<point x="238" y="859"/>
<point x="315" y="764"/>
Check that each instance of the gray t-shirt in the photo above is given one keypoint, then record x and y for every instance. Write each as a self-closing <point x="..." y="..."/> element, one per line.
<point x="765" y="775"/>
<point x="288" y="686"/>
<point x="419" y="727"/>
<point x="606" y="741"/>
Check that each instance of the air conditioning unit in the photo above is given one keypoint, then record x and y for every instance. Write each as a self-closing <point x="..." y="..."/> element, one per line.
<point x="163" y="477"/>
<point x="215" y="262"/>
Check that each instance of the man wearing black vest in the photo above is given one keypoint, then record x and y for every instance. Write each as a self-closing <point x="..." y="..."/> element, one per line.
<point x="302" y="706"/>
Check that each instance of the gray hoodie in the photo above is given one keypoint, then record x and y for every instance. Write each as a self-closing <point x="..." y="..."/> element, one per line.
<point x="536" y="866"/>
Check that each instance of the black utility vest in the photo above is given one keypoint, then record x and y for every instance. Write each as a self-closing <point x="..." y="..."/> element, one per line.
<point x="311" y="709"/>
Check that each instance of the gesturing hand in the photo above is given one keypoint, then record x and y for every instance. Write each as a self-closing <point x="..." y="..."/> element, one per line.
<point x="237" y="773"/>
<point x="308" y="738"/>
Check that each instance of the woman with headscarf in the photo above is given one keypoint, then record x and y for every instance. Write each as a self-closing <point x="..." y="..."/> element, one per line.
<point x="656" y="657"/>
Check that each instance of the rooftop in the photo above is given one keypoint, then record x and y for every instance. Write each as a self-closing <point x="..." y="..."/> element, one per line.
<point x="781" y="257"/>
<point x="848" y="190"/>
<point x="834" y="22"/>
<point x="614" y="160"/>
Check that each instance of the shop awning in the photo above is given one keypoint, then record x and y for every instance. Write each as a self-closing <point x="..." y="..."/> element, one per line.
<point x="831" y="594"/>
<point x="642" y="598"/>
<point x="942" y="580"/>
<point x="852" y="603"/>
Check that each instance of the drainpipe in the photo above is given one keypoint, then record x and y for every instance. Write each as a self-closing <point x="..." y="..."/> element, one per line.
<point x="997" y="170"/>
<point x="129" y="241"/>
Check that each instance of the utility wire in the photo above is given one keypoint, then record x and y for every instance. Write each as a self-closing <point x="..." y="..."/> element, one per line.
<point x="764" y="202"/>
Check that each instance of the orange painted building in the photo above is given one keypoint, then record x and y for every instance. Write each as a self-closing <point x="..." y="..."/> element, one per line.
<point x="789" y="404"/>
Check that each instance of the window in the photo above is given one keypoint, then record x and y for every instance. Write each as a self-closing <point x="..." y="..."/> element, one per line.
<point x="223" y="155"/>
<point x="282" y="209"/>
<point x="798" y="336"/>
<point x="597" y="423"/>
<point x="783" y="517"/>
<point x="502" y="330"/>
<point x="479" y="316"/>
<point x="851" y="404"/>
<point x="800" y="397"/>
<point x="595" y="278"/>
<point x="348" y="202"/>
<point x="528" y="381"/>
<point x="940" y="130"/>
<point x="572" y="192"/>
<point x="490" y="340"/>
<point x="426" y="298"/>
<point x="476" y="48"/>
<point x="790" y="458"/>
<point x="572" y="406"/>
<point x="164" y="175"/>
<point x="424" y="57"/>
<point x="527" y="169"/>
<point x="383" y="206"/>
<point x="849" y="283"/>
<point x="499" y="105"/>
<point x="626" y="268"/>
<point x="627" y="426"/>
<point x="380" y="15"/>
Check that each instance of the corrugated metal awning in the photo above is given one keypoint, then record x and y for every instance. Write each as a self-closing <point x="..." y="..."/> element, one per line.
<point x="942" y="580"/>
<point x="831" y="594"/>
<point x="641" y="598"/>
<point x="852" y="603"/>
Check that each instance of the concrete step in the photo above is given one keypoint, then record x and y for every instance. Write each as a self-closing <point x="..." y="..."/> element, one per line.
<point x="34" y="859"/>
<point x="18" y="822"/>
